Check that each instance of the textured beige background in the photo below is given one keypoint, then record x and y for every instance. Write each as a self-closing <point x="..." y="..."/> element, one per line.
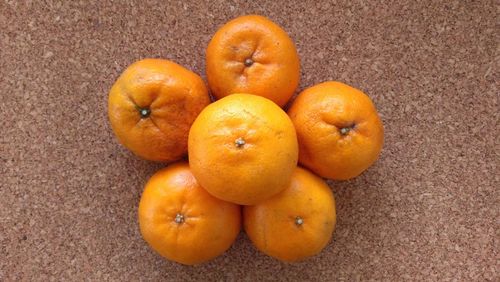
<point x="428" y="209"/>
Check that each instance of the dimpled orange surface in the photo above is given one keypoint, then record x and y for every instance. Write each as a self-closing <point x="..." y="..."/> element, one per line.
<point x="426" y="210"/>
<point x="243" y="149"/>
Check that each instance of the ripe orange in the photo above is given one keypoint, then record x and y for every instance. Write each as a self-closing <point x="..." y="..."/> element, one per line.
<point x="296" y="223"/>
<point x="243" y="149"/>
<point x="152" y="106"/>
<point x="252" y="54"/>
<point x="340" y="133"/>
<point x="181" y="221"/>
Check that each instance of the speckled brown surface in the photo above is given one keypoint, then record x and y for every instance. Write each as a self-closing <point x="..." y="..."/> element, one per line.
<point x="428" y="209"/>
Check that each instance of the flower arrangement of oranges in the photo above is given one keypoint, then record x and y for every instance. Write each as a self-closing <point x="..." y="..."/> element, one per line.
<point x="243" y="149"/>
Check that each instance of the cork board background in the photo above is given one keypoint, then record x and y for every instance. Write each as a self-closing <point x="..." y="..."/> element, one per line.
<point x="427" y="210"/>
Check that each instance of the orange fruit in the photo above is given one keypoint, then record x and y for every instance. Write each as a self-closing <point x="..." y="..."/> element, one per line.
<point x="252" y="54"/>
<point x="340" y="133"/>
<point x="296" y="223"/>
<point x="152" y="106"/>
<point x="181" y="221"/>
<point x="243" y="149"/>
